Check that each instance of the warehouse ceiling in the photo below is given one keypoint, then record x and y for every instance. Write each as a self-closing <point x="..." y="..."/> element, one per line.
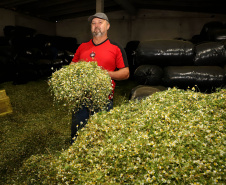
<point x="55" y="10"/>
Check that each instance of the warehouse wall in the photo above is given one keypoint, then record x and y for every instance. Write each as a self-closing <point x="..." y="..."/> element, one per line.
<point x="12" y="18"/>
<point x="6" y="18"/>
<point x="146" y="25"/>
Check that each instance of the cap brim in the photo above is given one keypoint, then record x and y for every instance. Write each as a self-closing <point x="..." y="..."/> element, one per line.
<point x="91" y="18"/>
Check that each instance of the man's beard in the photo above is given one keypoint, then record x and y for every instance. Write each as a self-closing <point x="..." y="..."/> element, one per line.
<point x="97" y="33"/>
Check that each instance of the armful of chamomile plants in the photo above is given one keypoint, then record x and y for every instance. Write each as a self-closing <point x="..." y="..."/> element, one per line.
<point x="83" y="83"/>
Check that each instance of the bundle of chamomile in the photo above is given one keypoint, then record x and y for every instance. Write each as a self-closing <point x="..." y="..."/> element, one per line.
<point x="81" y="84"/>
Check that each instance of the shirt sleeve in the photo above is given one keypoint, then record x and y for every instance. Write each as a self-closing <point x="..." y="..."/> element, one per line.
<point x="121" y="60"/>
<point x="76" y="57"/>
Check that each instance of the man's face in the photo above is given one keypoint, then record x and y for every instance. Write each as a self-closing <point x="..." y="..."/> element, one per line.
<point x="99" y="27"/>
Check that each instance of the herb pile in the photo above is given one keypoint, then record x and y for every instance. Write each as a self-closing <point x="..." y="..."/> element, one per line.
<point x="171" y="137"/>
<point x="83" y="83"/>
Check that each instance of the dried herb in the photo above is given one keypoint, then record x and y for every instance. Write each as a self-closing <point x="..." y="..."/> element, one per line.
<point x="82" y="83"/>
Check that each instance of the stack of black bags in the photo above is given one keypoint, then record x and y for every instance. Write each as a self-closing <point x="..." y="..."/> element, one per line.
<point x="26" y="56"/>
<point x="181" y="63"/>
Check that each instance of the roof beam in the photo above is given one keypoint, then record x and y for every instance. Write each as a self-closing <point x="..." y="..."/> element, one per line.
<point x="99" y="5"/>
<point x="15" y="2"/>
<point x="67" y="8"/>
<point x="127" y="6"/>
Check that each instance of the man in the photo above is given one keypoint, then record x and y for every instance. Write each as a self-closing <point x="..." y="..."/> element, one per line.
<point x="107" y="54"/>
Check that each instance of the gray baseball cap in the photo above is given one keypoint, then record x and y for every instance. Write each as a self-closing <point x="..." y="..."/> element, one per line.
<point x="98" y="15"/>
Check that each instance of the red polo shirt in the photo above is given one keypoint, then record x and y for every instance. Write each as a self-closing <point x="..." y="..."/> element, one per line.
<point x="107" y="54"/>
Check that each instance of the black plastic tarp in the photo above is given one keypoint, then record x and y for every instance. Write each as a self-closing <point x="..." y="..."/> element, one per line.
<point x="142" y="91"/>
<point x="148" y="75"/>
<point x="210" y="54"/>
<point x="205" y="77"/>
<point x="165" y="53"/>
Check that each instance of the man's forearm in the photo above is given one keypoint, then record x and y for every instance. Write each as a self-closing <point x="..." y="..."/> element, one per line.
<point x="121" y="74"/>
